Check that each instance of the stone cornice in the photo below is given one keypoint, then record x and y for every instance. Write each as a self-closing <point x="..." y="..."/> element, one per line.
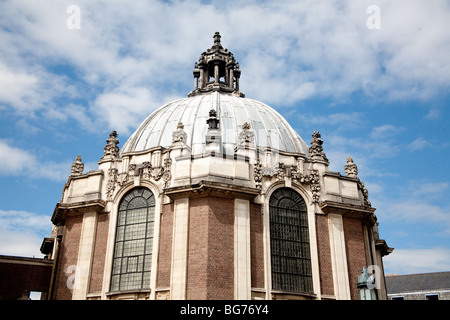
<point x="349" y="210"/>
<point x="62" y="210"/>
<point x="205" y="188"/>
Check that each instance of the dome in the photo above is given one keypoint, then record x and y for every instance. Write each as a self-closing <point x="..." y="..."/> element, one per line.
<point x="233" y="116"/>
<point x="270" y="129"/>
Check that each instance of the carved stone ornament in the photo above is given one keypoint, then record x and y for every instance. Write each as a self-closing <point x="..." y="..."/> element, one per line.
<point x="77" y="167"/>
<point x="316" y="149"/>
<point x="246" y="136"/>
<point x="351" y="170"/>
<point x="111" y="149"/>
<point x="144" y="171"/>
<point x="179" y="135"/>
<point x="280" y="172"/>
<point x="365" y="193"/>
<point x="312" y="179"/>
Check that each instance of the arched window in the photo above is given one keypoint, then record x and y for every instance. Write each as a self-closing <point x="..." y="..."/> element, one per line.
<point x="134" y="240"/>
<point x="289" y="242"/>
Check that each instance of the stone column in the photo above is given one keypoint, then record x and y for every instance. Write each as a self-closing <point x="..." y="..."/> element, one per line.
<point x="82" y="270"/>
<point x="242" y="258"/>
<point x="338" y="257"/>
<point x="216" y="72"/>
<point x="179" y="249"/>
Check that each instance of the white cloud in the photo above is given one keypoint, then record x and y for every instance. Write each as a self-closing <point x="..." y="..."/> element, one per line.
<point x="13" y="160"/>
<point x="21" y="232"/>
<point x="17" y="162"/>
<point x="418" y="144"/>
<point x="410" y="261"/>
<point x="288" y="51"/>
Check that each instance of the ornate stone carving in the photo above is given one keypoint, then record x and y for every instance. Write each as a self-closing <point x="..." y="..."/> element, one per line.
<point x="316" y="149"/>
<point x="111" y="149"/>
<point x="179" y="135"/>
<point x="312" y="179"/>
<point x="365" y="193"/>
<point x="167" y="175"/>
<point x="111" y="184"/>
<point x="246" y="136"/>
<point x="258" y="174"/>
<point x="351" y="170"/>
<point x="144" y="170"/>
<point x="280" y="172"/>
<point x="77" y="167"/>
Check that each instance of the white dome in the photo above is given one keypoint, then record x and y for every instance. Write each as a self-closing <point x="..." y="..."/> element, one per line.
<point x="269" y="127"/>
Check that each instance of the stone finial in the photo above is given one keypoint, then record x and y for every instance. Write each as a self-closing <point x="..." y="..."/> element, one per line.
<point x="111" y="149"/>
<point x="316" y="149"/>
<point x="216" y="71"/>
<point x="77" y="167"/>
<point x="179" y="135"/>
<point x="213" y="122"/>
<point x="246" y="136"/>
<point x="351" y="170"/>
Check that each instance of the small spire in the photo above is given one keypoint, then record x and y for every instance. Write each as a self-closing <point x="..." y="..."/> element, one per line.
<point x="217" y="43"/>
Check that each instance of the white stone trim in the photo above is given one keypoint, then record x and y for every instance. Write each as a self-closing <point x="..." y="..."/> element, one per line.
<point x="179" y="249"/>
<point x="338" y="257"/>
<point x="85" y="254"/>
<point x="242" y="257"/>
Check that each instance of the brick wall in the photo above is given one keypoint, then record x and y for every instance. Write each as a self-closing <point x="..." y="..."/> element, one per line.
<point x="98" y="263"/>
<point x="19" y="274"/>
<point x="356" y="252"/>
<point x="68" y="255"/>
<point x="210" y="273"/>
<point x="323" y="245"/>
<point x="165" y="247"/>
<point x="256" y="246"/>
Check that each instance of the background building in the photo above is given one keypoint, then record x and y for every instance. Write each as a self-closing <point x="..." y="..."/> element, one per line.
<point x="214" y="196"/>
<point x="423" y="286"/>
<point x="21" y="276"/>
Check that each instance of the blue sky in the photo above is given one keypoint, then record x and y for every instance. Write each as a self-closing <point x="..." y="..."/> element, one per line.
<point x="380" y="95"/>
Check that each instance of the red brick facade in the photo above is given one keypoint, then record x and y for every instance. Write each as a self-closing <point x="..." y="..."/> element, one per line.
<point x="257" y="246"/>
<point x="68" y="256"/>
<point x="356" y="252"/>
<point x="98" y="263"/>
<point x="165" y="247"/>
<point x="324" y="251"/>
<point x="210" y="270"/>
<point x="210" y="264"/>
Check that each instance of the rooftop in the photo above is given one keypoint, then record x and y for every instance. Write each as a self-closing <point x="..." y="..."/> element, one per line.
<point x="418" y="282"/>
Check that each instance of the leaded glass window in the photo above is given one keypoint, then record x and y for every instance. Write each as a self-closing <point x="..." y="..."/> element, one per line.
<point x="289" y="242"/>
<point x="134" y="240"/>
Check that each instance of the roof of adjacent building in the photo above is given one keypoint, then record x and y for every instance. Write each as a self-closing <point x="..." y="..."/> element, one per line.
<point x="418" y="282"/>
